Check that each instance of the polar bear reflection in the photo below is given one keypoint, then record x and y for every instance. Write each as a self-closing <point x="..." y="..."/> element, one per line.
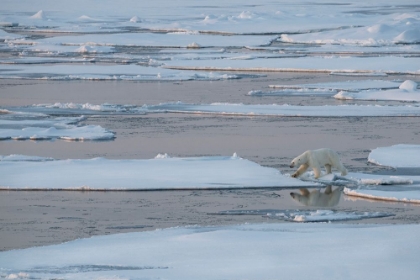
<point x="316" y="198"/>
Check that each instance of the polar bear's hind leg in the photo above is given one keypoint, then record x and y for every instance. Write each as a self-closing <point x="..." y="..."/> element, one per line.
<point x="317" y="172"/>
<point x="328" y="168"/>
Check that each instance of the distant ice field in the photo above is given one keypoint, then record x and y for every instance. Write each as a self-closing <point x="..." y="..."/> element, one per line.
<point x="337" y="38"/>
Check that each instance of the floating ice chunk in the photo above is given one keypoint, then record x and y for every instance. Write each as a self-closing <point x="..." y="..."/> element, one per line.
<point x="308" y="215"/>
<point x="72" y="133"/>
<point x="39" y="15"/>
<point x="330" y="215"/>
<point x="193" y="45"/>
<point x="162" y="173"/>
<point x="24" y="158"/>
<point x="409" y="85"/>
<point x="366" y="66"/>
<point x="159" y="156"/>
<point x="407" y="91"/>
<point x="392" y="180"/>
<point x="351" y="85"/>
<point x="398" y="156"/>
<point x="285" y="110"/>
<point x="402" y="195"/>
<point x="135" y="19"/>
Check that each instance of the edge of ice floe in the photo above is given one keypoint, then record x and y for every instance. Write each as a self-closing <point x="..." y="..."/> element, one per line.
<point x="355" y="193"/>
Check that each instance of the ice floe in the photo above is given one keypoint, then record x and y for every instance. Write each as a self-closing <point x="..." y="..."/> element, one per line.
<point x="406" y="195"/>
<point x="171" y="40"/>
<point x="24" y="158"/>
<point x="238" y="109"/>
<point x="348" y="64"/>
<point x="286" y="110"/>
<point x="160" y="173"/>
<point x="71" y="133"/>
<point x="398" y="156"/>
<point x="393" y="32"/>
<point x="350" y="85"/>
<point x="406" y="92"/>
<point x="17" y="125"/>
<point x="255" y="251"/>
<point x="103" y="72"/>
<point x="321" y="215"/>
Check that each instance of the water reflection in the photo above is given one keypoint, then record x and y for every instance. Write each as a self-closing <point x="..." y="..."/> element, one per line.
<point x="317" y="198"/>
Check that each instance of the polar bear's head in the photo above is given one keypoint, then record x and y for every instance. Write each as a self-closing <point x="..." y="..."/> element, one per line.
<point x="302" y="159"/>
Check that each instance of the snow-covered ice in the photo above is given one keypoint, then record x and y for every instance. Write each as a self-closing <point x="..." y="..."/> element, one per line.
<point x="103" y="72"/>
<point x="312" y="216"/>
<point x="354" y="38"/>
<point x="227" y="109"/>
<point x="18" y="125"/>
<point x="160" y="173"/>
<point x="256" y="251"/>
<point x="73" y="133"/>
<point x="402" y="194"/>
<point x="286" y="110"/>
<point x="407" y="91"/>
<point x="398" y="156"/>
<point x="348" y="64"/>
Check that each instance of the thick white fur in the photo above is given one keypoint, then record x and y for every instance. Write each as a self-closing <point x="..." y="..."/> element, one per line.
<point x="315" y="159"/>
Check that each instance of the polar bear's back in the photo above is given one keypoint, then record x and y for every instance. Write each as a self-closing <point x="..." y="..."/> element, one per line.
<point x="325" y="156"/>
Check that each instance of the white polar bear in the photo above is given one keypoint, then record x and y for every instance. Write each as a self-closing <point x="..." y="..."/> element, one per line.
<point x="315" y="159"/>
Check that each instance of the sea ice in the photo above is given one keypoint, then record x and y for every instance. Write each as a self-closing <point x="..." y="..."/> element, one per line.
<point x="160" y="173"/>
<point x="251" y="251"/>
<point x="398" y="156"/>
<point x="350" y="85"/>
<point x="322" y="215"/>
<point x="71" y="133"/>
<point x="104" y="72"/>
<point x="171" y="40"/>
<point x="345" y="64"/>
<point x="285" y="110"/>
<point x="406" y="92"/>
<point x="402" y="194"/>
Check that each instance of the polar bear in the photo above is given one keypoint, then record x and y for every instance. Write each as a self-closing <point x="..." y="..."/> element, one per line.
<point x="315" y="159"/>
<point x="316" y="198"/>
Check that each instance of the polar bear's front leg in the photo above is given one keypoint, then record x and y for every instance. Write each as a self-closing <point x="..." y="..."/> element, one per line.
<point x="300" y="170"/>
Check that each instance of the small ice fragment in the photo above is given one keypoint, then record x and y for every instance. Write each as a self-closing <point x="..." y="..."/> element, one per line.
<point x="38" y="15"/>
<point x="409" y="85"/>
<point x="193" y="45"/>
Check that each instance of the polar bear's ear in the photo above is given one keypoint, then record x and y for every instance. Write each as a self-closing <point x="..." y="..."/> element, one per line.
<point x="304" y="192"/>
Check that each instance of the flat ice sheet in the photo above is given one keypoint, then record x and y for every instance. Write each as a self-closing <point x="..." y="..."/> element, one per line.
<point x="286" y="110"/>
<point x="403" y="194"/>
<point x="322" y="215"/>
<point x="160" y="173"/>
<point x="407" y="91"/>
<point x="71" y="133"/>
<point x="329" y="64"/>
<point x="160" y="40"/>
<point x="227" y="109"/>
<point x="401" y="155"/>
<point x="103" y="72"/>
<point x="350" y="85"/>
<point x="256" y="251"/>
